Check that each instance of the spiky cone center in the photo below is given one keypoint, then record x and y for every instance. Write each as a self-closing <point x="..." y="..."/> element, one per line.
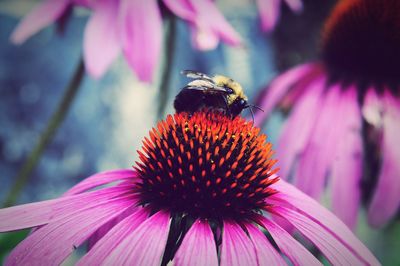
<point x="361" y="42"/>
<point x="206" y="165"/>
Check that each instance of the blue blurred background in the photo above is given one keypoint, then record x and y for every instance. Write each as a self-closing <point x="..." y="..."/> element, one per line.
<point x="110" y="116"/>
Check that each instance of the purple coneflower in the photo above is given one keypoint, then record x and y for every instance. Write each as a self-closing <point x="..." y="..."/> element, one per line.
<point x="204" y="193"/>
<point x="270" y="11"/>
<point x="133" y="26"/>
<point x="344" y="120"/>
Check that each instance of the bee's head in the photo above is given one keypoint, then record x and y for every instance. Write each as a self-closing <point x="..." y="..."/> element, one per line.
<point x="230" y="84"/>
<point x="237" y="106"/>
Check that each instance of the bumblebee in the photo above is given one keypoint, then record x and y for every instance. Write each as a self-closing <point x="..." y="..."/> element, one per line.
<point x="218" y="93"/>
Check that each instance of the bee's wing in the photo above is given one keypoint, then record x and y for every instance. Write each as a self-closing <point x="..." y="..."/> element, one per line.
<point x="205" y="85"/>
<point x="196" y="75"/>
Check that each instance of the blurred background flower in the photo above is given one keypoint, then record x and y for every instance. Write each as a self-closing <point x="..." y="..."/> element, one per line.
<point x="345" y="113"/>
<point x="111" y="114"/>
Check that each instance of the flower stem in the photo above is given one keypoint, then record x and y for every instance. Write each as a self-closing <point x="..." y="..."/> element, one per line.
<point x="167" y="67"/>
<point x="47" y="135"/>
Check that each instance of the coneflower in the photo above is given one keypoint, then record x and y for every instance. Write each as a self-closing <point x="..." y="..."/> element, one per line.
<point x="132" y="27"/>
<point x="344" y="120"/>
<point x="204" y="193"/>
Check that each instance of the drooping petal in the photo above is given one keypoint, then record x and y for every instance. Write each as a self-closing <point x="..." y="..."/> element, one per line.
<point x="100" y="179"/>
<point x="141" y="33"/>
<point x="278" y="88"/>
<point x="198" y="246"/>
<point x="290" y="196"/>
<point x="289" y="246"/>
<point x="386" y="200"/>
<point x="113" y="238"/>
<point x="181" y="8"/>
<point x="295" y="5"/>
<point x="298" y="127"/>
<point x="40" y="17"/>
<point x="101" y="44"/>
<point x="331" y="247"/>
<point x="346" y="171"/>
<point x="237" y="248"/>
<point x="52" y="243"/>
<point x="266" y="253"/>
<point x="203" y="38"/>
<point x="40" y="213"/>
<point x="143" y="246"/>
<point x="317" y="157"/>
<point x="269" y="13"/>
<point x="210" y="20"/>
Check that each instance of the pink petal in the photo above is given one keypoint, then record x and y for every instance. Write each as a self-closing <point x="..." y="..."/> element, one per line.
<point x="386" y="200"/>
<point x="346" y="169"/>
<point x="269" y="13"/>
<point x="101" y="43"/>
<point x="141" y="29"/>
<point x="289" y="196"/>
<point x="100" y="179"/>
<point x="274" y="93"/>
<point x="210" y="19"/>
<point x="198" y="246"/>
<point x="143" y="246"/>
<point x="181" y="8"/>
<point x="237" y="248"/>
<point x="318" y="155"/>
<point x="266" y="253"/>
<point x="298" y="254"/>
<point x="40" y="17"/>
<point x="105" y="228"/>
<point x="36" y="214"/>
<point x="203" y="38"/>
<point x="298" y="127"/>
<point x="295" y="5"/>
<point x="52" y="243"/>
<point x="328" y="244"/>
<point x="113" y="238"/>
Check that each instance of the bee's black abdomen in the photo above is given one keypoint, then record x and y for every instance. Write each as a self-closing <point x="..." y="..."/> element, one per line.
<point x="192" y="100"/>
<point x="188" y="100"/>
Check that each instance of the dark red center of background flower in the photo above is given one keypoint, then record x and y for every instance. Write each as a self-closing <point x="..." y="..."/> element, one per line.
<point x="361" y="42"/>
<point x="206" y="165"/>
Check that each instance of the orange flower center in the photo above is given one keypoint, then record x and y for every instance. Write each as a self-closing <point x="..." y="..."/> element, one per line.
<point x="206" y="165"/>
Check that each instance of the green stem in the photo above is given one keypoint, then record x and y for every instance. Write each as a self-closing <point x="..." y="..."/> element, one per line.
<point x="54" y="123"/>
<point x="167" y="67"/>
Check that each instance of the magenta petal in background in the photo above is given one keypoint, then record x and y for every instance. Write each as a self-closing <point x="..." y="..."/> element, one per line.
<point x="237" y="248"/>
<point x="295" y="5"/>
<point x="298" y="128"/>
<point x="40" y="17"/>
<point x="198" y="247"/>
<point x="274" y="93"/>
<point x="210" y="20"/>
<point x="52" y="243"/>
<point x="317" y="156"/>
<point x="143" y="246"/>
<point x="101" y="43"/>
<point x="113" y="238"/>
<point x="386" y="200"/>
<point x="141" y="33"/>
<point x="346" y="170"/>
<point x="266" y="253"/>
<point x="269" y="13"/>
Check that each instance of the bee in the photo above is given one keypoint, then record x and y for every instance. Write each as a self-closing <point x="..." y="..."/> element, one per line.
<point x="218" y="93"/>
